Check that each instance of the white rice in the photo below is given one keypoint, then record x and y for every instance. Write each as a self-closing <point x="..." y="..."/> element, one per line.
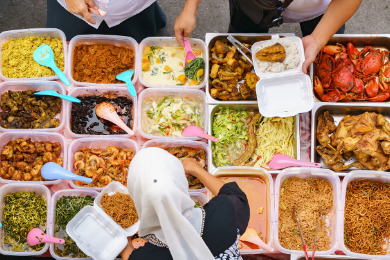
<point x="291" y="61"/>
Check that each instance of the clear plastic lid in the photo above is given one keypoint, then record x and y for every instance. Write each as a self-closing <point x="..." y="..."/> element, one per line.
<point x="284" y="96"/>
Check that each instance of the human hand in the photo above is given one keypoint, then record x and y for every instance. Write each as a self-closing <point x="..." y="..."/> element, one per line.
<point x="126" y="252"/>
<point x="312" y="48"/>
<point x="185" y="23"/>
<point x="83" y="8"/>
<point x="192" y="166"/>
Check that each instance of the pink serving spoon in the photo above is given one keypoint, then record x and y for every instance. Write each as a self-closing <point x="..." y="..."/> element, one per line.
<point x="281" y="161"/>
<point x="196" y="131"/>
<point x="189" y="53"/>
<point x="37" y="236"/>
<point x="107" y="111"/>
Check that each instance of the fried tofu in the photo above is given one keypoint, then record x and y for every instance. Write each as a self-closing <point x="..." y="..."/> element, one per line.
<point x="214" y="71"/>
<point x="245" y="91"/>
<point x="220" y="47"/>
<point x="225" y="75"/>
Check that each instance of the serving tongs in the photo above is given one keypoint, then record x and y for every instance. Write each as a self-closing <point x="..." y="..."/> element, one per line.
<point x="236" y="43"/>
<point x="303" y="241"/>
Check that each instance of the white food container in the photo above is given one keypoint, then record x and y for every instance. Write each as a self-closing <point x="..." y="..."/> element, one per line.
<point x="96" y="233"/>
<point x="153" y="93"/>
<point x="35" y="137"/>
<point x="99" y="91"/>
<point x="332" y="219"/>
<point x="171" y="42"/>
<point x="40" y="190"/>
<point x="59" y="194"/>
<point x="37" y="32"/>
<point x="285" y="93"/>
<point x="35" y="85"/>
<point x="99" y="143"/>
<point x="353" y="176"/>
<point x="120" y="41"/>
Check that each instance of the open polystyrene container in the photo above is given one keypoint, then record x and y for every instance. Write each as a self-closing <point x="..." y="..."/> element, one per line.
<point x="96" y="233"/>
<point x="38" y="32"/>
<point x="35" y="137"/>
<point x="120" y="41"/>
<point x="40" y="190"/>
<point x="100" y="91"/>
<point x="236" y="171"/>
<point x="56" y="196"/>
<point x="332" y="219"/>
<point x="353" y="176"/>
<point x="284" y="93"/>
<point x="35" y="85"/>
<point x="97" y="143"/>
<point x="172" y="42"/>
<point x="153" y="93"/>
<point x="200" y="197"/>
<point x="186" y="143"/>
<point x="284" y="96"/>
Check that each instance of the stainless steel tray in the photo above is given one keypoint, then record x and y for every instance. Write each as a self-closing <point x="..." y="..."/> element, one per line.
<point x="339" y="111"/>
<point x="325" y="257"/>
<point x="249" y="107"/>
<point x="359" y="41"/>
<point x="251" y="38"/>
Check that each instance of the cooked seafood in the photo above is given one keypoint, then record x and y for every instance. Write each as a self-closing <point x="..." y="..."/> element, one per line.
<point x="103" y="166"/>
<point x="22" y="160"/>
<point x="366" y="136"/>
<point x="182" y="152"/>
<point x="274" y="53"/>
<point x="230" y="73"/>
<point x="22" y="109"/>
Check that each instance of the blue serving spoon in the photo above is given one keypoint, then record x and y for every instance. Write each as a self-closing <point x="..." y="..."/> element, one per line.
<point x="45" y="57"/>
<point x="126" y="77"/>
<point x="52" y="171"/>
<point x="54" y="93"/>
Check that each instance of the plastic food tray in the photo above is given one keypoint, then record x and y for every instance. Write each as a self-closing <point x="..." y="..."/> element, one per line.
<point x="56" y="196"/>
<point x="39" y="32"/>
<point x="35" y="85"/>
<point x="120" y="41"/>
<point x="96" y="142"/>
<point x="251" y="38"/>
<point x="259" y="173"/>
<point x="213" y="109"/>
<point x="171" y="42"/>
<point x="187" y="143"/>
<point x="333" y="218"/>
<point x="99" y="91"/>
<point x="96" y="233"/>
<point x="352" y="176"/>
<point x="14" y="188"/>
<point x="170" y="92"/>
<point x="35" y="136"/>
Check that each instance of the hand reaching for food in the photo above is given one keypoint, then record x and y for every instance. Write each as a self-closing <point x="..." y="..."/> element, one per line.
<point x="312" y="48"/>
<point x="185" y="23"/>
<point x="192" y="166"/>
<point x="83" y="8"/>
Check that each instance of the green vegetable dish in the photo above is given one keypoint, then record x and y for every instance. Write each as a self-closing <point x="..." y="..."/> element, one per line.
<point x="231" y="129"/>
<point x="22" y="212"/>
<point x="168" y="116"/>
<point x="192" y="69"/>
<point x="66" y="208"/>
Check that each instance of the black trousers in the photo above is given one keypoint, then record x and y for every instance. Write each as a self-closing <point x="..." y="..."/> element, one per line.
<point x="145" y="24"/>
<point x="241" y="23"/>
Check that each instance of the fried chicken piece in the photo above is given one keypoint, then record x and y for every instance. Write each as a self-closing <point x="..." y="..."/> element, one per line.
<point x="364" y="124"/>
<point x="214" y="71"/>
<point x="214" y="93"/>
<point x="385" y="145"/>
<point x="225" y="75"/>
<point x="382" y="123"/>
<point x="274" y="53"/>
<point x="220" y="47"/>
<point x="325" y="126"/>
<point x="245" y="91"/>
<point x="343" y="129"/>
<point x="369" y="142"/>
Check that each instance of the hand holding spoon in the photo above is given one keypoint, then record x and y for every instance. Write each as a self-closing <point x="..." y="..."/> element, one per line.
<point x="189" y="53"/>
<point x="107" y="111"/>
<point x="37" y="236"/>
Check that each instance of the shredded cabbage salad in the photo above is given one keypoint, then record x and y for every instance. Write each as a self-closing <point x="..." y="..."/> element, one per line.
<point x="231" y="129"/>
<point x="168" y="116"/>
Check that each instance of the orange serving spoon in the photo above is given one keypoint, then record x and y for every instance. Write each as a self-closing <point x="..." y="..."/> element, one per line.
<point x="251" y="236"/>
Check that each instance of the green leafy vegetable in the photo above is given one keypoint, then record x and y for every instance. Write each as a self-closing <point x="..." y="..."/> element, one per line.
<point x="192" y="68"/>
<point x="197" y="205"/>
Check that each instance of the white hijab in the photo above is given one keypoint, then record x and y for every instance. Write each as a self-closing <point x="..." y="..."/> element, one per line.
<point x="159" y="189"/>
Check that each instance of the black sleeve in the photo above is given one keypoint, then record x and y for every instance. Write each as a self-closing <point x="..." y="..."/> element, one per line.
<point x="240" y="204"/>
<point x="149" y="251"/>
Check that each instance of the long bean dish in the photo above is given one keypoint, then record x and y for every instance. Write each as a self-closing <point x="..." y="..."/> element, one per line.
<point x="22" y="212"/>
<point x="247" y="138"/>
<point x="22" y="160"/>
<point x="102" y="165"/>
<point x="22" y="109"/>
